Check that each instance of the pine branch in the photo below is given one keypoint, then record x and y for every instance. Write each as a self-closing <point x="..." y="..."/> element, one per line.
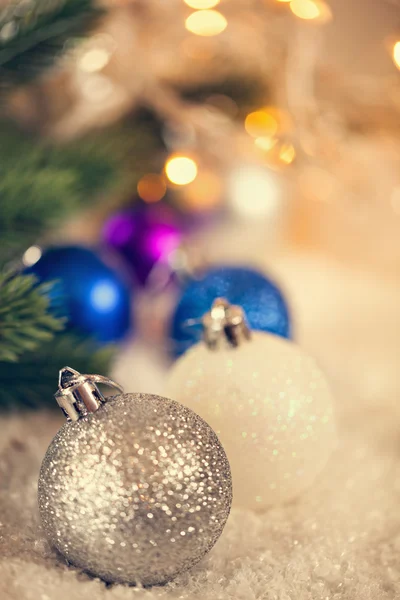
<point x="40" y="184"/>
<point x="34" y="34"/>
<point x="32" y="381"/>
<point x="24" y="321"/>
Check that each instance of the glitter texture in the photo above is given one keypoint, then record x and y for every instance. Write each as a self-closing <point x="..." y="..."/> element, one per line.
<point x="137" y="492"/>
<point x="272" y="409"/>
<point x="260" y="298"/>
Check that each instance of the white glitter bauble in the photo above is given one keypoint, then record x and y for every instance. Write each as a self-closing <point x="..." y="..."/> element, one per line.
<point x="272" y="409"/>
<point x="137" y="491"/>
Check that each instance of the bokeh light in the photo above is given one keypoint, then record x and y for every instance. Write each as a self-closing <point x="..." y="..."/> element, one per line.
<point x="254" y="192"/>
<point x="94" y="60"/>
<point x="265" y="143"/>
<point x="206" y="23"/>
<point x="287" y="153"/>
<point x="151" y="188"/>
<point x="181" y="170"/>
<point x="396" y="54"/>
<point x="261" y="123"/>
<point x="31" y="255"/>
<point x="311" y="10"/>
<point x="202" y="4"/>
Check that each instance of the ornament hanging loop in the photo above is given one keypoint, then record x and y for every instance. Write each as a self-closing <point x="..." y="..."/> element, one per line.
<point x="78" y="395"/>
<point x="225" y="323"/>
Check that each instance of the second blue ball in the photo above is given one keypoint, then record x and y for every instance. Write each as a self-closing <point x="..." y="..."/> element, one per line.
<point x="264" y="304"/>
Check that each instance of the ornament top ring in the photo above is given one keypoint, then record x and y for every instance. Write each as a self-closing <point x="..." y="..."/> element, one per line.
<point x="78" y="394"/>
<point x="225" y="323"/>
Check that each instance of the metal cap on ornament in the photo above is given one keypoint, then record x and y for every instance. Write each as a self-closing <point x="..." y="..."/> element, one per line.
<point x="225" y="324"/>
<point x="78" y="395"/>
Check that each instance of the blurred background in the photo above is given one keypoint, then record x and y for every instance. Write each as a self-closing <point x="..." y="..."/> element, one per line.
<point x="144" y="143"/>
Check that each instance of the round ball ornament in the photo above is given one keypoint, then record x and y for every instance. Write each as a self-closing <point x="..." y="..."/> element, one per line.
<point x="95" y="297"/>
<point x="262" y="301"/>
<point x="146" y="238"/>
<point x="134" y="488"/>
<point x="266" y="399"/>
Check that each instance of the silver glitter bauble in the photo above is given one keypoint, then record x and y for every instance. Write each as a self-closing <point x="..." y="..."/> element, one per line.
<point x="136" y="492"/>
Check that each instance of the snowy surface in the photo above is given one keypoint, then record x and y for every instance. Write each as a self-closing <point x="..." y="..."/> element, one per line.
<point x="340" y="541"/>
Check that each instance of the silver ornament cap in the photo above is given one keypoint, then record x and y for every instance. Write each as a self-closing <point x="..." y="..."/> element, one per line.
<point x="225" y="324"/>
<point x="134" y="488"/>
<point x="78" y="394"/>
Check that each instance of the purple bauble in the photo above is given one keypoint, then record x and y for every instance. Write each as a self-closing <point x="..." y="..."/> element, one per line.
<point x="145" y="237"/>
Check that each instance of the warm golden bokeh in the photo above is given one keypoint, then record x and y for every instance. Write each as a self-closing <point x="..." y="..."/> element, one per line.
<point x="261" y="123"/>
<point x="94" y="60"/>
<point x="181" y="170"/>
<point x="151" y="188"/>
<point x="396" y="54"/>
<point x="311" y="10"/>
<point x="206" y="23"/>
<point x="202" y="4"/>
<point x="287" y="153"/>
<point x="265" y="143"/>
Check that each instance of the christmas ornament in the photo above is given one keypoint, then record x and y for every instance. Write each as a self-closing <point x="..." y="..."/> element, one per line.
<point x="267" y="401"/>
<point x="262" y="301"/>
<point x="133" y="489"/>
<point x="145" y="237"/>
<point x="94" y="296"/>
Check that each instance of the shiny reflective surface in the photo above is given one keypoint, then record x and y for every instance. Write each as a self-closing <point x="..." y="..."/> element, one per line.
<point x="138" y="491"/>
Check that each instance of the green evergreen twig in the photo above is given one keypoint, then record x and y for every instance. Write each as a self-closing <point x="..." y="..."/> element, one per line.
<point x="34" y="34"/>
<point x="24" y="321"/>
<point x="32" y="381"/>
<point x="40" y="184"/>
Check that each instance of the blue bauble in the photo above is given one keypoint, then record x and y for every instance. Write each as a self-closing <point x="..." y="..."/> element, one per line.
<point x="95" y="298"/>
<point x="262" y="301"/>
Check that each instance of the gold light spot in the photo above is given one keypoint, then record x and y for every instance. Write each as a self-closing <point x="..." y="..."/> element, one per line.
<point x="202" y="4"/>
<point x="181" y="170"/>
<point x="151" y="188"/>
<point x="311" y="10"/>
<point x="265" y="143"/>
<point x="206" y="23"/>
<point x="261" y="124"/>
<point x="94" y="60"/>
<point x="287" y="153"/>
<point x="396" y="54"/>
<point x="31" y="256"/>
